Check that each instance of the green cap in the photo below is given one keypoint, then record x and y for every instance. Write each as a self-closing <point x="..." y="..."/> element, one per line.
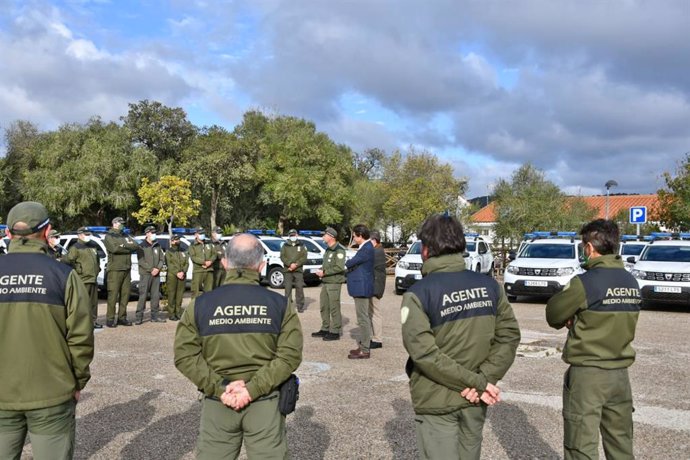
<point x="54" y="234"/>
<point x="150" y="229"/>
<point x="331" y="231"/>
<point x="292" y="232"/>
<point x="31" y="213"/>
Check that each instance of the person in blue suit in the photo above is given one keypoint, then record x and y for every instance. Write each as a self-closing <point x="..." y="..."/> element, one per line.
<point x="360" y="286"/>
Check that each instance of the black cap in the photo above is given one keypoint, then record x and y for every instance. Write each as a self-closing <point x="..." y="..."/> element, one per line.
<point x="150" y="229"/>
<point x="176" y="238"/>
<point x="83" y="231"/>
<point x="118" y="220"/>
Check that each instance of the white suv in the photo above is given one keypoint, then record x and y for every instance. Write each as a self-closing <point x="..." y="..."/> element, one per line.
<point x="663" y="269"/>
<point x="631" y="247"/>
<point x="477" y="256"/>
<point x="544" y="264"/>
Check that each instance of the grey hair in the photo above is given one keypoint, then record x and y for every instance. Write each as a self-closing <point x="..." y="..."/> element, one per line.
<point x="244" y="251"/>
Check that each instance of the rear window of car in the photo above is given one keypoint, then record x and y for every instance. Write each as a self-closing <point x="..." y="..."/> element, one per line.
<point x="667" y="254"/>
<point x="632" y="249"/>
<point x="548" y="251"/>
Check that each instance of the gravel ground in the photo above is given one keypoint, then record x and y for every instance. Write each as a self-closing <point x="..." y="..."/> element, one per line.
<point x="137" y="406"/>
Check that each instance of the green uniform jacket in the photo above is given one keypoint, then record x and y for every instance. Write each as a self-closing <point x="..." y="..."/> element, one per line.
<point x="597" y="338"/>
<point x="262" y="360"/>
<point x="458" y="354"/>
<point x="120" y="248"/>
<point x="334" y="265"/>
<point x="293" y="253"/>
<point x="219" y="246"/>
<point x="45" y="349"/>
<point x="176" y="260"/>
<point x="150" y="256"/>
<point x="84" y="258"/>
<point x="200" y="253"/>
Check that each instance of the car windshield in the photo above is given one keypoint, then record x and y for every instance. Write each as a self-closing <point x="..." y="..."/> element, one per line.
<point x="311" y="246"/>
<point x="273" y="244"/>
<point x="321" y="243"/>
<point x="471" y="245"/>
<point x="632" y="249"/>
<point x="416" y="248"/>
<point x="667" y="253"/>
<point x="548" y="251"/>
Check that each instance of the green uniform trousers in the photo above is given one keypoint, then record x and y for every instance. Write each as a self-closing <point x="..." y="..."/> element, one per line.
<point x="454" y="435"/>
<point x="296" y="280"/>
<point x="201" y="281"/>
<point x="92" y="290"/>
<point x="149" y="285"/>
<point x="260" y="425"/>
<point x="331" y="318"/>
<point x="364" y="322"/>
<point x="119" y="285"/>
<point x="175" y="289"/>
<point x="218" y="276"/>
<point x="597" y="400"/>
<point x="51" y="432"/>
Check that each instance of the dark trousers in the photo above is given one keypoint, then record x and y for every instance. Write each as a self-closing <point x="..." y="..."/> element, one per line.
<point x="175" y="294"/>
<point x="218" y="276"/>
<point x="201" y="281"/>
<point x="118" y="291"/>
<point x="296" y="280"/>
<point x="149" y="285"/>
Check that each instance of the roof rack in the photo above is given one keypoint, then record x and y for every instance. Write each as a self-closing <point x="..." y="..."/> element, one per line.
<point x="544" y="235"/>
<point x="669" y="236"/>
<point x="625" y="238"/>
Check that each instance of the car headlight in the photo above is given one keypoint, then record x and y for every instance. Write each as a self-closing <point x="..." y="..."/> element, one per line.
<point x="639" y="274"/>
<point x="512" y="269"/>
<point x="564" y="271"/>
<point x="403" y="264"/>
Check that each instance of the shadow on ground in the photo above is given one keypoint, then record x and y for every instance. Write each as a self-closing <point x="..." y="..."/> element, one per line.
<point x="307" y="438"/>
<point x="518" y="437"/>
<point x="400" y="431"/>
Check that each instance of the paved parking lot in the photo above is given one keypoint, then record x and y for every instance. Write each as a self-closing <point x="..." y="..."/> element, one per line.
<point x="137" y="406"/>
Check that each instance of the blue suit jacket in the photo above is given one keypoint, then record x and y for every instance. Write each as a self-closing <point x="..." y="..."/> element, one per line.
<point x="360" y="275"/>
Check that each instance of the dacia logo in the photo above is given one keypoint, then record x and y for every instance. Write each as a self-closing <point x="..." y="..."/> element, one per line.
<point x="669" y="276"/>
<point x="537" y="271"/>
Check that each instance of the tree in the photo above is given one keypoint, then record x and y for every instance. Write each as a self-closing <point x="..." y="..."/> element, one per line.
<point x="20" y="138"/>
<point x="303" y="173"/>
<point x="418" y="185"/>
<point x="219" y="167"/>
<point x="168" y="201"/>
<point x="674" y="200"/>
<point x="163" y="130"/>
<point x="528" y="202"/>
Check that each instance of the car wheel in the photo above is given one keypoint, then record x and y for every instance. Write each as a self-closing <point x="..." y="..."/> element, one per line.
<point x="478" y="269"/>
<point x="490" y="273"/>
<point x="512" y="298"/>
<point x="275" y="277"/>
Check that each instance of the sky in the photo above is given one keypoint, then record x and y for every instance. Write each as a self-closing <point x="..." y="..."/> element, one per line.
<point x="586" y="90"/>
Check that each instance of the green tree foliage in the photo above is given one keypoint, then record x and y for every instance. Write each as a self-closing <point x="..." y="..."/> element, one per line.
<point x="303" y="173"/>
<point x="674" y="199"/>
<point x="528" y="202"/>
<point x="168" y="201"/>
<point x="418" y="185"/>
<point x="163" y="130"/>
<point x="86" y="173"/>
<point x="20" y="139"/>
<point x="219" y="168"/>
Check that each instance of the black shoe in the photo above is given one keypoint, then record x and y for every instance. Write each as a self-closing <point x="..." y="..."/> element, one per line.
<point x="331" y="336"/>
<point x="373" y="344"/>
<point x="139" y="322"/>
<point x="112" y="323"/>
<point x="157" y="320"/>
<point x="174" y="318"/>
<point x="319" y="334"/>
<point x="124" y="322"/>
<point x="97" y="326"/>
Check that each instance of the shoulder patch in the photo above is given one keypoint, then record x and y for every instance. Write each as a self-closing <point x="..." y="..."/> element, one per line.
<point x="340" y="256"/>
<point x="404" y="313"/>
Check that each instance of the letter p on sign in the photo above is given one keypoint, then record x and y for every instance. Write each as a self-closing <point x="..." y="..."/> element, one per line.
<point x="638" y="215"/>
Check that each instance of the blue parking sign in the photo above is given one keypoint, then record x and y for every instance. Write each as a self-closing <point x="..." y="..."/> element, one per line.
<point x="638" y="215"/>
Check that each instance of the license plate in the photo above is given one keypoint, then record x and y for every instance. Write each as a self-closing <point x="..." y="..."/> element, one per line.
<point x="418" y="277"/>
<point x="536" y="283"/>
<point x="671" y="289"/>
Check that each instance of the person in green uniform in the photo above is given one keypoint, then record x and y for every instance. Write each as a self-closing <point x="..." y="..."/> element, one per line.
<point x="237" y="344"/>
<point x="46" y="345"/>
<point x="151" y="260"/>
<point x="462" y="336"/>
<point x="600" y="308"/>
<point x="118" y="277"/>
<point x="293" y="254"/>
<point x="178" y="263"/>
<point x="332" y="276"/>
<point x="202" y="254"/>
<point x="219" y="244"/>
<point x="83" y="257"/>
<point x="56" y="249"/>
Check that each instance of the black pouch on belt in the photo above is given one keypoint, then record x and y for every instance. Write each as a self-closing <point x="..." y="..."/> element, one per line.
<point x="289" y="394"/>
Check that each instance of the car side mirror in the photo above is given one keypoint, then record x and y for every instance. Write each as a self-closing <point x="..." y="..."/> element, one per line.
<point x="465" y="254"/>
<point x="631" y="259"/>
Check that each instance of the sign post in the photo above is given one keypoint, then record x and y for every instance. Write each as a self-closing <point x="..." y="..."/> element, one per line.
<point x="638" y="216"/>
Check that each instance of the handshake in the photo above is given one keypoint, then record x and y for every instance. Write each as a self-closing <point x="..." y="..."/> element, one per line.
<point x="491" y="395"/>
<point x="236" y="395"/>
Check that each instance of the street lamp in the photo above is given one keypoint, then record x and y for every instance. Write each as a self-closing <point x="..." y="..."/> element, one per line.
<point x="608" y="185"/>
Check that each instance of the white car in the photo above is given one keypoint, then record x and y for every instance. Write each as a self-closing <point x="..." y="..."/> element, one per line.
<point x="544" y="264"/>
<point x="163" y="239"/>
<point x="477" y="256"/>
<point x="631" y="246"/>
<point x="663" y="270"/>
